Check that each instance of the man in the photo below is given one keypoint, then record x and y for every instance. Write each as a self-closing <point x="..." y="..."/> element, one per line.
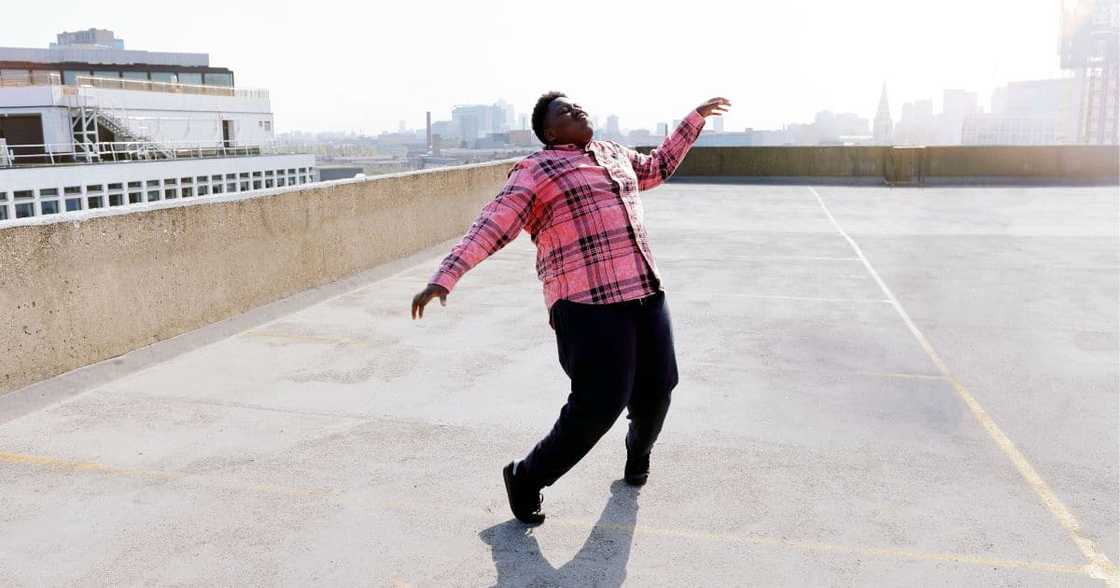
<point x="578" y="200"/>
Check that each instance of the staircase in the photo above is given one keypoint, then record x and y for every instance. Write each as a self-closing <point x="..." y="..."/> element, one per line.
<point x="86" y="118"/>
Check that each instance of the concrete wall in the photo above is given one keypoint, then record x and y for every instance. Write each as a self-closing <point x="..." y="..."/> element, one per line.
<point x="79" y="292"/>
<point x="903" y="165"/>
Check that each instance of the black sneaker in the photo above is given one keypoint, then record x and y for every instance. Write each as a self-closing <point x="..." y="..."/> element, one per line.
<point x="637" y="468"/>
<point x="525" y="502"/>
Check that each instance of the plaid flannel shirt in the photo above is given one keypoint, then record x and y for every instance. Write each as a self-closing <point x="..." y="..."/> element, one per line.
<point x="581" y="208"/>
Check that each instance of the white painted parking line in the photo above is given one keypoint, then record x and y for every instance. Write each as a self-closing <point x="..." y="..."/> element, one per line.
<point x="1102" y="567"/>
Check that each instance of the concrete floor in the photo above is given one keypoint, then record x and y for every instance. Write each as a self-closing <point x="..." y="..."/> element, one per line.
<point x="814" y="438"/>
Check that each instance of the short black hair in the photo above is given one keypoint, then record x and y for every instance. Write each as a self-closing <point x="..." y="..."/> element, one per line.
<point x="541" y="109"/>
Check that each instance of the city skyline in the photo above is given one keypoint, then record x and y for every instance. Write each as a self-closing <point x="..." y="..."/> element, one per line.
<point x="382" y="64"/>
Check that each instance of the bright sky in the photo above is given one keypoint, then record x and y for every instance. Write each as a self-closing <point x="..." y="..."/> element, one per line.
<point x="363" y="66"/>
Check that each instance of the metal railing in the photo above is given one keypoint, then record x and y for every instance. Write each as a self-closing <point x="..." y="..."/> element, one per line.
<point x="169" y="87"/>
<point x="47" y="154"/>
<point x="45" y="78"/>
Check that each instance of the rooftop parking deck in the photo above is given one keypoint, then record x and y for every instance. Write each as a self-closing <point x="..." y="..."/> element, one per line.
<point x="879" y="386"/>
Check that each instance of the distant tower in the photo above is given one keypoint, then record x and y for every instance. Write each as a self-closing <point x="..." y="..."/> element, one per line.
<point x="883" y="132"/>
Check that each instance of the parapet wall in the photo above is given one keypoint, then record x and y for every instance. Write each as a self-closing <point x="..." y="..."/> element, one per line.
<point x="908" y="165"/>
<point x="86" y="290"/>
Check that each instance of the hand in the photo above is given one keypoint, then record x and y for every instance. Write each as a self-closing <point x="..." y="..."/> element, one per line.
<point x="716" y="106"/>
<point x="425" y="296"/>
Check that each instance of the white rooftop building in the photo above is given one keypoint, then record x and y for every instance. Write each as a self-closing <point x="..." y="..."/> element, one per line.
<point x="87" y="124"/>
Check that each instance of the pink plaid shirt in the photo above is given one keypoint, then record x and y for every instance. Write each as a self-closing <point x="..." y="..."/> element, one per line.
<point x="581" y="208"/>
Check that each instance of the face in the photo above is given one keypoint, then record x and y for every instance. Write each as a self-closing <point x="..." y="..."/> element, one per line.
<point x="567" y="123"/>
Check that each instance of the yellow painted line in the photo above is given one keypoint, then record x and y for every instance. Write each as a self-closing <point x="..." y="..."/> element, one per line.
<point x="1102" y="568"/>
<point x="426" y="508"/>
<point x="190" y="478"/>
<point x="899" y="375"/>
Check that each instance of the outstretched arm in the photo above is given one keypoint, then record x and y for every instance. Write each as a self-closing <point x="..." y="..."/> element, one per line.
<point x="499" y="223"/>
<point x="655" y="168"/>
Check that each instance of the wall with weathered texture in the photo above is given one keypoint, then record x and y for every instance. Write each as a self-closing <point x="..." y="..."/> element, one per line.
<point x="82" y="291"/>
<point x="907" y="165"/>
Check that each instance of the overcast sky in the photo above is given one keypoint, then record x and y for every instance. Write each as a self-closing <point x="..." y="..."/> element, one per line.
<point x="363" y="66"/>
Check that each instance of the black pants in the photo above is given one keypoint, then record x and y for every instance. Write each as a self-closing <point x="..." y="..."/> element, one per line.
<point x="617" y="356"/>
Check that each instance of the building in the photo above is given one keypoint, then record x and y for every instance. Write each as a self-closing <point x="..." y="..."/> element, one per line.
<point x="917" y="125"/>
<point x="476" y="121"/>
<point x="1090" y="48"/>
<point x="717" y="124"/>
<point x="956" y="106"/>
<point x="883" y="131"/>
<point x="1035" y="112"/>
<point x="85" y="127"/>
<point x="88" y="39"/>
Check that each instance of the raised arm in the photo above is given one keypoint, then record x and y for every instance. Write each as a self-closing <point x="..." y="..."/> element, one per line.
<point x="499" y="223"/>
<point x="659" y="165"/>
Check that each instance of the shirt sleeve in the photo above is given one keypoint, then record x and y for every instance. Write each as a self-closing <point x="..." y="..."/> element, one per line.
<point x="499" y="223"/>
<point x="655" y="168"/>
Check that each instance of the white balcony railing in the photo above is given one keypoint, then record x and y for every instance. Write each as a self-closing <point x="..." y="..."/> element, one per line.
<point x="169" y="87"/>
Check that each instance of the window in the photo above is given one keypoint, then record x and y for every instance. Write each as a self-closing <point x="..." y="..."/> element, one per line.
<point x="23" y="194"/>
<point x="94" y="188"/>
<point x="15" y="75"/>
<point x="135" y="197"/>
<point x="73" y="204"/>
<point x="186" y="181"/>
<point x="231" y="176"/>
<point x="167" y="77"/>
<point x="256" y="174"/>
<point x="3" y="196"/>
<point x="203" y="190"/>
<point x="153" y="183"/>
<point x="231" y="187"/>
<point x="268" y="173"/>
<point x="187" y="191"/>
<point x="95" y="202"/>
<point x="292" y="170"/>
<point x="280" y="182"/>
<point x="218" y="79"/>
<point x="70" y="77"/>
<point x="256" y="184"/>
<point x="268" y="183"/>
<point x="217" y="189"/>
<point x="115" y="187"/>
<point x="303" y="170"/>
<point x="153" y="195"/>
<point x="116" y="199"/>
<point x="132" y="185"/>
<point x="3" y="213"/>
<point x="46" y="192"/>
<point x="244" y="186"/>
<point x="141" y="76"/>
<point x="203" y="179"/>
<point x="106" y="74"/>
<point x="169" y="194"/>
<point x="68" y="190"/>
<point x="170" y="182"/>
<point x="25" y="210"/>
<point x="194" y="79"/>
<point x="216" y="178"/>
<point x="49" y="207"/>
<point x="244" y="175"/>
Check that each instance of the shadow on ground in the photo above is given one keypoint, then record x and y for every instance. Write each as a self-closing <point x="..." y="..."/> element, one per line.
<point x="600" y="562"/>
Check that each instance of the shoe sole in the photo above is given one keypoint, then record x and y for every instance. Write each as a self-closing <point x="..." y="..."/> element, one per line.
<point x="507" y="477"/>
